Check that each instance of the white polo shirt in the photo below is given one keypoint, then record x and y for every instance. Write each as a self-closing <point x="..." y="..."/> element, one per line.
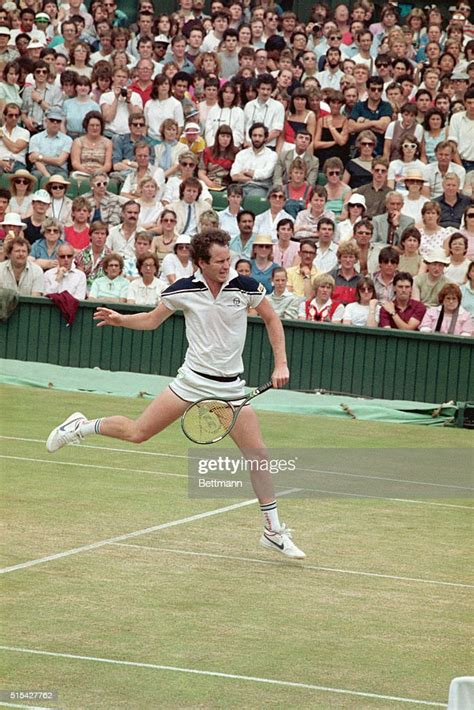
<point x="461" y="130"/>
<point x="271" y="113"/>
<point x="215" y="327"/>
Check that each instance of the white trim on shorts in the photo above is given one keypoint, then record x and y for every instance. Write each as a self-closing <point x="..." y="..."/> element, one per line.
<point x="189" y="386"/>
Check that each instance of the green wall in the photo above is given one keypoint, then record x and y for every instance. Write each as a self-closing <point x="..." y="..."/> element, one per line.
<point x="340" y="359"/>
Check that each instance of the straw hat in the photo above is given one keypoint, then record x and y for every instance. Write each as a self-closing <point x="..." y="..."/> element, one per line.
<point x="56" y="180"/>
<point x="263" y="239"/>
<point x="22" y="173"/>
<point x="414" y="174"/>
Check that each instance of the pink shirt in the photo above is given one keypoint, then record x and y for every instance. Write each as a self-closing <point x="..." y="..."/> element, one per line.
<point x="463" y="324"/>
<point x="285" y="258"/>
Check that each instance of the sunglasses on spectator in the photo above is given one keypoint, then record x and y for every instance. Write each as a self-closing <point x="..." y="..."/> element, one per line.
<point x="188" y="165"/>
<point x="278" y="197"/>
<point x="139" y="125"/>
<point x="68" y="256"/>
<point x="264" y="246"/>
<point x="382" y="64"/>
<point x="367" y="143"/>
<point x="183" y="246"/>
<point x="334" y="172"/>
<point x="168" y="219"/>
<point x="58" y="187"/>
<point x="380" y="170"/>
<point x="12" y="115"/>
<point x="100" y="183"/>
<point x="53" y="230"/>
<point x="375" y="88"/>
<point x="54" y="120"/>
<point x="364" y="234"/>
<point x="368" y="289"/>
<point x="311" y="253"/>
<point x="470" y="215"/>
<point x="21" y="181"/>
<point x="389" y="261"/>
<point x="335" y="37"/>
<point x="41" y="71"/>
<point x="410" y="145"/>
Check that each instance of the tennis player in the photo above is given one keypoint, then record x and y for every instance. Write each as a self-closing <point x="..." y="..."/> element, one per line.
<point x="215" y="302"/>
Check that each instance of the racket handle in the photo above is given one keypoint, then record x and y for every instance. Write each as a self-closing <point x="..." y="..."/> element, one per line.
<point x="263" y="388"/>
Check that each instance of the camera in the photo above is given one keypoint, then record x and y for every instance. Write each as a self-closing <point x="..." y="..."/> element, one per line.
<point x="123" y="92"/>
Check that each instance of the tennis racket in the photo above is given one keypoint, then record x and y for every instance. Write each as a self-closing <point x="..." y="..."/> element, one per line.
<point x="210" y="419"/>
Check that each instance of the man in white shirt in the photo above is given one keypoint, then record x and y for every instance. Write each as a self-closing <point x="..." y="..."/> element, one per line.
<point x="121" y="239"/>
<point x="117" y="105"/>
<point x="435" y="172"/>
<point x="265" y="110"/>
<point x="331" y="77"/>
<point x="66" y="276"/>
<point x="13" y="140"/>
<point x="213" y="39"/>
<point x="326" y="257"/>
<point x="461" y="131"/>
<point x="364" y="55"/>
<point x="254" y="166"/>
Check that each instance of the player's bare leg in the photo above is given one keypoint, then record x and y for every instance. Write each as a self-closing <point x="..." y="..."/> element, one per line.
<point x="248" y="437"/>
<point x="159" y="414"/>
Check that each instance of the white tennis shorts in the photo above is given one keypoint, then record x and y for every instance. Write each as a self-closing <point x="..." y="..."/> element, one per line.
<point x="190" y="386"/>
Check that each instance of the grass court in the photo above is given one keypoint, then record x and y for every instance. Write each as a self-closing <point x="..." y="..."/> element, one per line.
<point x="120" y="591"/>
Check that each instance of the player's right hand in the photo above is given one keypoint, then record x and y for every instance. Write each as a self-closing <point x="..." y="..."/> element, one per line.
<point x="105" y="316"/>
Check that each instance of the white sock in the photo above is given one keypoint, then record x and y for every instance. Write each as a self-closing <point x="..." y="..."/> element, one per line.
<point x="91" y="426"/>
<point x="270" y="516"/>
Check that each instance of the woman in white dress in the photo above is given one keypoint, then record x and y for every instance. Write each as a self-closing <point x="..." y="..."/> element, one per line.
<point x="151" y="208"/>
<point x="226" y="112"/>
<point x="179" y="264"/>
<point x="162" y="105"/>
<point x="146" y="290"/>
<point x="365" y="312"/>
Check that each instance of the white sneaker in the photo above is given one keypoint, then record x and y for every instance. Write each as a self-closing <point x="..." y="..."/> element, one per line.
<point x="66" y="433"/>
<point x="281" y="542"/>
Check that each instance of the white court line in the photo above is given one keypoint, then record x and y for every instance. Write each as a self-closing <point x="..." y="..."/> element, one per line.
<point x="302" y="490"/>
<point x="103" y="448"/>
<point x="126" y="536"/>
<point x="91" y="465"/>
<point x="307" y="470"/>
<point x="28" y="707"/>
<point x="231" y="676"/>
<point x="301" y="566"/>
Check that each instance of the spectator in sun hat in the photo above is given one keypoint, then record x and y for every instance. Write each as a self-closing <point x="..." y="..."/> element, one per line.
<point x="192" y="138"/>
<point x="40" y="201"/>
<point x="61" y="205"/>
<point x="426" y="287"/>
<point x="12" y="223"/>
<point x="22" y="184"/>
<point x="7" y="54"/>
<point x="356" y="208"/>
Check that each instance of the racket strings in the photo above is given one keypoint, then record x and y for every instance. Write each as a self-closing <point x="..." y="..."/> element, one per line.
<point x="208" y="420"/>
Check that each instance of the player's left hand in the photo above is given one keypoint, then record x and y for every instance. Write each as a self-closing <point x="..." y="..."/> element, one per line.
<point x="280" y="376"/>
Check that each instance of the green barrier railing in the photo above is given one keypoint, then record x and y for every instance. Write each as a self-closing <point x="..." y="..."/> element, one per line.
<point x="369" y="362"/>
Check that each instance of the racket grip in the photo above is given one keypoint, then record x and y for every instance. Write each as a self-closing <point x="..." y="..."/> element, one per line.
<point x="263" y="388"/>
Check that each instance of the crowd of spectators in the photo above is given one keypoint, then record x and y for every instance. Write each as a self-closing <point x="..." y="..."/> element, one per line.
<point x="336" y="149"/>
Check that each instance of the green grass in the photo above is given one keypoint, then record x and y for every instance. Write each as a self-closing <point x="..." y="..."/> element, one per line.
<point x="149" y="600"/>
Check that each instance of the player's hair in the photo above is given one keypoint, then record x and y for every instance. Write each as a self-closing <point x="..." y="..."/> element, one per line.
<point x="201" y="244"/>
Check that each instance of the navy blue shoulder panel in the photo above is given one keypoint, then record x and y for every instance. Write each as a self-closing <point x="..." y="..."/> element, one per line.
<point x="187" y="284"/>
<point x="244" y="283"/>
